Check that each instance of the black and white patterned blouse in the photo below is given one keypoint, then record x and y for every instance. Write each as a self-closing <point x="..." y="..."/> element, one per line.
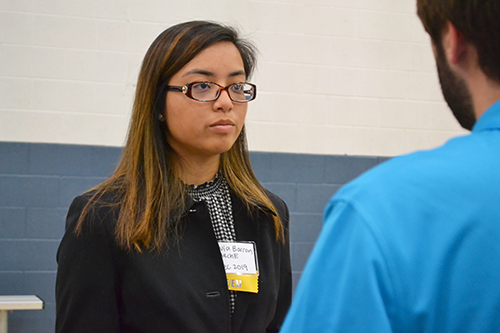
<point x="216" y="194"/>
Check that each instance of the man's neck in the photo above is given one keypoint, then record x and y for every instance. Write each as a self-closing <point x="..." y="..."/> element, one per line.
<point x="484" y="93"/>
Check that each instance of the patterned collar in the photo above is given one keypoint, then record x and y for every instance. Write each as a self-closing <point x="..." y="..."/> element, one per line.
<point x="197" y="192"/>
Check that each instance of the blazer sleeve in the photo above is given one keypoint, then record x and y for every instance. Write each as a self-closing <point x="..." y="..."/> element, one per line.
<point x="86" y="299"/>
<point x="285" y="287"/>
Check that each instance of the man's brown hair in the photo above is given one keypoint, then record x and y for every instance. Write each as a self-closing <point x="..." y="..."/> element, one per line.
<point x="477" y="20"/>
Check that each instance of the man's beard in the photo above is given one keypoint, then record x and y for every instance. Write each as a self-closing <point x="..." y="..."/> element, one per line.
<point x="455" y="92"/>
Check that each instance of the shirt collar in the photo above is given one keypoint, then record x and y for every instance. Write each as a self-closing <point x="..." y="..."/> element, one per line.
<point x="490" y="120"/>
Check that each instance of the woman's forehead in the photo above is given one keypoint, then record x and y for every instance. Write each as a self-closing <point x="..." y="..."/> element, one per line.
<point x="219" y="59"/>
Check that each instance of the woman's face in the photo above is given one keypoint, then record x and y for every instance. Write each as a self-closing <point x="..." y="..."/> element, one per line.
<point x="206" y="129"/>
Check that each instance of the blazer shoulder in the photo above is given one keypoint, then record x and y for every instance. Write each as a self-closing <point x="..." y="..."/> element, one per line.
<point x="275" y="198"/>
<point x="98" y="208"/>
<point x="279" y="204"/>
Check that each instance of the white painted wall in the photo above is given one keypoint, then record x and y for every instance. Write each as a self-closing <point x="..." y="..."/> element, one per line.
<point x="353" y="77"/>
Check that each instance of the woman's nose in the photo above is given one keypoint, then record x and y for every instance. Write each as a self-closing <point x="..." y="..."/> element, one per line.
<point x="224" y="102"/>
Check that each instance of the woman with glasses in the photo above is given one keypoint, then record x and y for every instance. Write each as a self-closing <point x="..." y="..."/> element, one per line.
<point x="182" y="237"/>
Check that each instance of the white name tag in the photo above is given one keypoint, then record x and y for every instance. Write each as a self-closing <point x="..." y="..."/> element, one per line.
<point x="239" y="257"/>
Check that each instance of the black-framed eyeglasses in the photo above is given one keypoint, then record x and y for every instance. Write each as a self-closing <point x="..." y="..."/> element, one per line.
<point x="206" y="91"/>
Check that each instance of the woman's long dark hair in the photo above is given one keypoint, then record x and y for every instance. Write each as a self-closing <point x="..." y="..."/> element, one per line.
<point x="148" y="192"/>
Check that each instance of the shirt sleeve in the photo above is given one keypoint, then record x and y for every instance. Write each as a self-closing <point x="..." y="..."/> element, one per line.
<point x="86" y="299"/>
<point x="345" y="286"/>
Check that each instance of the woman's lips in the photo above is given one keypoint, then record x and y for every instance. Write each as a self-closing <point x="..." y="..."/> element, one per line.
<point x="223" y="126"/>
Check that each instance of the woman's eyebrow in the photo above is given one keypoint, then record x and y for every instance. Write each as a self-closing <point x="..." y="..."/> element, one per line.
<point x="237" y="73"/>
<point x="199" y="71"/>
<point x="210" y="74"/>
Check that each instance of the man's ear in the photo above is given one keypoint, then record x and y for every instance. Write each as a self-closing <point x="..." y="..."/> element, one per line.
<point x="454" y="44"/>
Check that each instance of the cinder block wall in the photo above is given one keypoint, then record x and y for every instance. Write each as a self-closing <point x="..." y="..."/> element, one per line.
<point x="334" y="77"/>
<point x="37" y="184"/>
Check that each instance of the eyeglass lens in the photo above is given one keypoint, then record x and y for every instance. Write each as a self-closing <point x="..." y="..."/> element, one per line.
<point x="209" y="91"/>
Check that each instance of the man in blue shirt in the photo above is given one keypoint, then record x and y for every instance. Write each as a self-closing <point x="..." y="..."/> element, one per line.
<point x="413" y="245"/>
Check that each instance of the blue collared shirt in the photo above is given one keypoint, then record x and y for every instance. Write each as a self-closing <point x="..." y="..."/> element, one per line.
<point x="412" y="245"/>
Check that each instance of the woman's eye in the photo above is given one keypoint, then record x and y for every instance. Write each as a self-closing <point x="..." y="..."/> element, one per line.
<point x="237" y="87"/>
<point x="202" y="86"/>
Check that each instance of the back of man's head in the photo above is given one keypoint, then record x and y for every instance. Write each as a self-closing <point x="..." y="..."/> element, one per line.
<point x="477" y="20"/>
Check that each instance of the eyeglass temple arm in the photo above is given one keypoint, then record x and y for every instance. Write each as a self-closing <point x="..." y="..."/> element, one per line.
<point x="175" y="88"/>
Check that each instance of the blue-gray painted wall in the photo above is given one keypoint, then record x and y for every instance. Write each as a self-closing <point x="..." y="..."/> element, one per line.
<point x="38" y="182"/>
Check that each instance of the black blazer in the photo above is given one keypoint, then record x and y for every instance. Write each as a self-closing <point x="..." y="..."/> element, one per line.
<point x="102" y="288"/>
